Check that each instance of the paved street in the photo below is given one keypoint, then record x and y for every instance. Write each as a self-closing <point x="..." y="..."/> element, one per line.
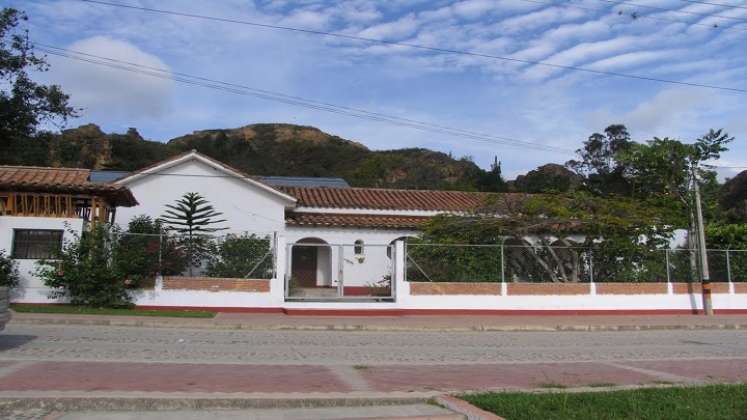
<point x="90" y="343"/>
<point x="80" y="361"/>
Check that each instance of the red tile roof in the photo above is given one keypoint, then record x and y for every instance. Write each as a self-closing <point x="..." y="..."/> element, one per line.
<point x="356" y="221"/>
<point x="33" y="175"/>
<point x="61" y="180"/>
<point x="391" y="199"/>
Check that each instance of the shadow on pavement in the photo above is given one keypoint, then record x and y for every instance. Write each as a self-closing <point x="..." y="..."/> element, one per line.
<point x="11" y="341"/>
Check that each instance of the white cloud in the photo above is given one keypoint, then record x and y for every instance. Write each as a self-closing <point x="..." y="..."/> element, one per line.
<point x="103" y="91"/>
<point x="307" y="19"/>
<point x="668" y="109"/>
<point x="472" y="8"/>
<point x="630" y="59"/>
<point x="400" y="28"/>
<point x="540" y="18"/>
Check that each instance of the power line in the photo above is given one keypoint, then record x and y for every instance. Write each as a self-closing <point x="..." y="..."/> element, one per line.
<point x="293" y="100"/>
<point x="418" y="46"/>
<point x="737" y="6"/>
<point x="664" y="9"/>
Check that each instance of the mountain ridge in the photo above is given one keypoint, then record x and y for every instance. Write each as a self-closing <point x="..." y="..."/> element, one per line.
<point x="264" y="149"/>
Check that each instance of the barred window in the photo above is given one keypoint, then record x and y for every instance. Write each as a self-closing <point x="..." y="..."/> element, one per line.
<point x="36" y="243"/>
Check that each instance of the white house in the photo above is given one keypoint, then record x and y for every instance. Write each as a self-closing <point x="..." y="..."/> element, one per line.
<point x="333" y="247"/>
<point x="337" y="236"/>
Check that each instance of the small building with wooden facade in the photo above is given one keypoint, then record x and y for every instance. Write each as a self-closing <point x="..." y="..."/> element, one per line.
<point x="40" y="207"/>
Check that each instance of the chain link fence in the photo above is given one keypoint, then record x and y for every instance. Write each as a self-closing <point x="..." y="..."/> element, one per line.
<point x="540" y="263"/>
<point x="240" y="256"/>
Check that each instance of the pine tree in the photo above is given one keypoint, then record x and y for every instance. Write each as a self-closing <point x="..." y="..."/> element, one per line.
<point x="192" y="216"/>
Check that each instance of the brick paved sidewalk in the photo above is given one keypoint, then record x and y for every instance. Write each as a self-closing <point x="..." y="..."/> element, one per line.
<point x="403" y="323"/>
<point x="27" y="377"/>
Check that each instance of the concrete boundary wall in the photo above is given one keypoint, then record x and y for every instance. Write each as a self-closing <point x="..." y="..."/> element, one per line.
<point x="253" y="295"/>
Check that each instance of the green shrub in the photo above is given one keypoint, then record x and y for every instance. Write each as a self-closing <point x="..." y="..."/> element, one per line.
<point x="241" y="256"/>
<point x="143" y="252"/>
<point x="85" y="271"/>
<point x="8" y="271"/>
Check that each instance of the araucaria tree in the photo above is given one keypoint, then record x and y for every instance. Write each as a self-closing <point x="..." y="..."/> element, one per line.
<point x="192" y="217"/>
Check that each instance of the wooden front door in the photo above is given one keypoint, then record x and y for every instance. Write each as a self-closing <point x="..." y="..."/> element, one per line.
<point x="303" y="264"/>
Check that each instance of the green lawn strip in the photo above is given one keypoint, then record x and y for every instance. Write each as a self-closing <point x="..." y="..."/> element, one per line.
<point x="85" y="310"/>
<point x="712" y="402"/>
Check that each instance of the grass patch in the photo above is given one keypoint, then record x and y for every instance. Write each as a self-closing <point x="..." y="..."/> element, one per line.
<point x="85" y="310"/>
<point x="712" y="402"/>
<point x="360" y="367"/>
<point x="601" y="385"/>
<point x="552" y="385"/>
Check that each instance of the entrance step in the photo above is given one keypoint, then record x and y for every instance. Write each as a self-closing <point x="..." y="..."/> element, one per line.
<point x="314" y="292"/>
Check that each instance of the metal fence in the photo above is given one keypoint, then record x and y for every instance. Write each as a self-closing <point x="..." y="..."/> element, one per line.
<point x="566" y="264"/>
<point x="240" y="256"/>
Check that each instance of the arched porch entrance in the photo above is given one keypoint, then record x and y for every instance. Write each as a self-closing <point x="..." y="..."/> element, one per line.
<point x="311" y="266"/>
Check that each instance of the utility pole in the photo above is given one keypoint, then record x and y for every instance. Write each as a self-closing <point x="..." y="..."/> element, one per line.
<point x="706" y="278"/>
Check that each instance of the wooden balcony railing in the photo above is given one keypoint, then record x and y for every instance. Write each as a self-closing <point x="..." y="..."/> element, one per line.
<point x="89" y="208"/>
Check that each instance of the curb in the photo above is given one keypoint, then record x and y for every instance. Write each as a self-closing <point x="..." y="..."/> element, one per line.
<point x="466" y="409"/>
<point x="155" y="323"/>
<point x="59" y="402"/>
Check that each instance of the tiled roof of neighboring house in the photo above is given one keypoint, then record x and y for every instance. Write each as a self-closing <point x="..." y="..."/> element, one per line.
<point x="356" y="221"/>
<point x="304" y="181"/>
<point x="390" y="199"/>
<point x="61" y="180"/>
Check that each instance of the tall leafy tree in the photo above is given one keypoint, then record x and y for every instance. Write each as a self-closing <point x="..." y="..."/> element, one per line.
<point x="599" y="161"/>
<point x="25" y="104"/>
<point x="192" y="216"/>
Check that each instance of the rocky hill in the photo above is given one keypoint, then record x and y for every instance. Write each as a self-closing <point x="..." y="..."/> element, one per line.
<point x="258" y="149"/>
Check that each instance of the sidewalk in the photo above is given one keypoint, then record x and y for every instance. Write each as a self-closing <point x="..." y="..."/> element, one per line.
<point x="281" y="322"/>
<point x="85" y="385"/>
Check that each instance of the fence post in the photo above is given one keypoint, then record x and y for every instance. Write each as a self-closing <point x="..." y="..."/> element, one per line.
<point x="280" y="283"/>
<point x="401" y="289"/>
<point x="504" y="287"/>
<point x="592" y="286"/>
<point x="160" y="252"/>
<point x="670" y="289"/>
<point x="728" y="273"/>
<point x="340" y="268"/>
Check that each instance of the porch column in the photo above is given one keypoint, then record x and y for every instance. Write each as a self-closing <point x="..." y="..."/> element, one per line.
<point x="401" y="287"/>
<point x="277" y="284"/>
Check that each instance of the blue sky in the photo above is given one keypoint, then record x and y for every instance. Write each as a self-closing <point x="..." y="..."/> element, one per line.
<point x="530" y="102"/>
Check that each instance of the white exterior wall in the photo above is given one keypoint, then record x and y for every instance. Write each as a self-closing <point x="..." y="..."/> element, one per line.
<point x="245" y="207"/>
<point x="32" y="289"/>
<point x="339" y="256"/>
